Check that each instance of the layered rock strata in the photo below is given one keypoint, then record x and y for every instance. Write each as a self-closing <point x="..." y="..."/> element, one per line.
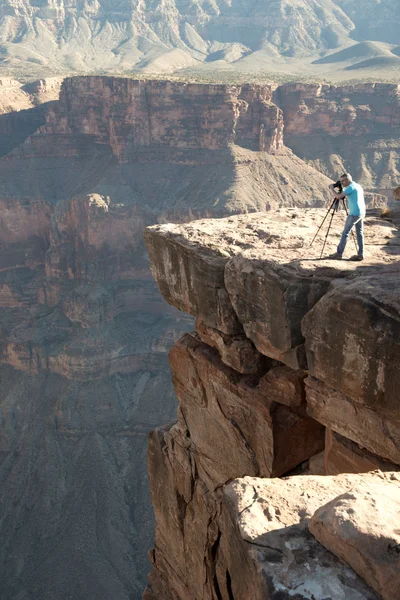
<point x="340" y="128"/>
<point x="84" y="334"/>
<point x="83" y="331"/>
<point x="263" y="387"/>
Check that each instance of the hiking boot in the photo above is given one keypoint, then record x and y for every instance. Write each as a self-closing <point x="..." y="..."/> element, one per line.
<point x="357" y="257"/>
<point x="335" y="256"/>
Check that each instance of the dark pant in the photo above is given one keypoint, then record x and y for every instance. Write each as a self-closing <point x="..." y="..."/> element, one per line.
<point x="350" y="222"/>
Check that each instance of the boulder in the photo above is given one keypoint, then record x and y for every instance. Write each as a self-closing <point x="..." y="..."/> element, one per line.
<point x="236" y="351"/>
<point x="266" y="549"/>
<point x="353" y="341"/>
<point x="361" y="527"/>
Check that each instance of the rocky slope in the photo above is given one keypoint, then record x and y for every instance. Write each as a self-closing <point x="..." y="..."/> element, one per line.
<point x="292" y="356"/>
<point x="44" y="36"/>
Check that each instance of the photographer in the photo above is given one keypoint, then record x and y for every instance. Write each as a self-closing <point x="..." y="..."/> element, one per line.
<point x="355" y="195"/>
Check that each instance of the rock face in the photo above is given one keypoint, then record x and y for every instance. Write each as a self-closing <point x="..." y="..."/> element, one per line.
<point x="328" y="124"/>
<point x="261" y="363"/>
<point x="360" y="527"/>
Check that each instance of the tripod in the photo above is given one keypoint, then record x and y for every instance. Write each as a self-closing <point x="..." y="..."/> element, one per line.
<point x="334" y="207"/>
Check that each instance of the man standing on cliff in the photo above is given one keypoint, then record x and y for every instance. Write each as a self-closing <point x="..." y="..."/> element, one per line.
<point x="355" y="195"/>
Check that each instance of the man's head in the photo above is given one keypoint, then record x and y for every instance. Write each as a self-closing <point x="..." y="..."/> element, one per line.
<point x="346" y="179"/>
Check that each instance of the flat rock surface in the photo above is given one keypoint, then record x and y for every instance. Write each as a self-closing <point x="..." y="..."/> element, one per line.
<point x="256" y="273"/>
<point x="361" y="527"/>
<point x="283" y="236"/>
<point x="272" y="518"/>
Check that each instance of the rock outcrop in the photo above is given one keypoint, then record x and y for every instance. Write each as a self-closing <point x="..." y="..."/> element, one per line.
<point x="328" y="125"/>
<point x="257" y="290"/>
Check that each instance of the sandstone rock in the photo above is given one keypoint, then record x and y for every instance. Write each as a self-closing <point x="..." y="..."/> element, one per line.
<point x="266" y="547"/>
<point x="344" y="456"/>
<point x="191" y="277"/>
<point x="354" y="420"/>
<point x="361" y="528"/>
<point x="352" y="341"/>
<point x="163" y="116"/>
<point x="236" y="351"/>
<point x="186" y="514"/>
<point x="222" y="410"/>
<point x="397" y="193"/>
<point x="284" y="386"/>
<point x="250" y="271"/>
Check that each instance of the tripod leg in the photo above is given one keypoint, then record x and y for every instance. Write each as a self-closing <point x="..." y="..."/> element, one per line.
<point x="352" y="231"/>
<point x="329" y="228"/>
<point x="319" y="228"/>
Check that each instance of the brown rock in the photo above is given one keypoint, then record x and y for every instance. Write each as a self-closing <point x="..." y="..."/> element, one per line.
<point x="266" y="547"/>
<point x="318" y="116"/>
<point x="361" y="528"/>
<point x="352" y="341"/>
<point x="191" y="277"/>
<point x="344" y="456"/>
<point x="397" y="193"/>
<point x="163" y="116"/>
<point x="250" y="272"/>
<point x="236" y="351"/>
<point x="284" y="386"/>
<point x="223" y="410"/>
<point x="186" y="513"/>
<point x="317" y="465"/>
<point x="354" y="420"/>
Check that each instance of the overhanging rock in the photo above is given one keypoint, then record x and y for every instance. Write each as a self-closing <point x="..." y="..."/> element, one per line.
<point x="257" y="274"/>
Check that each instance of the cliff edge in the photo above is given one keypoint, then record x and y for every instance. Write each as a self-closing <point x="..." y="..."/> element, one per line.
<point x="280" y="477"/>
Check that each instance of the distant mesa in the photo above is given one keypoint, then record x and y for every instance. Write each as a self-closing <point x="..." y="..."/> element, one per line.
<point x="362" y="50"/>
<point x="376" y="63"/>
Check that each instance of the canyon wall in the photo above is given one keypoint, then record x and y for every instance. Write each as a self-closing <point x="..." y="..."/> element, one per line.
<point x="84" y="334"/>
<point x="292" y="372"/>
<point x="345" y="128"/>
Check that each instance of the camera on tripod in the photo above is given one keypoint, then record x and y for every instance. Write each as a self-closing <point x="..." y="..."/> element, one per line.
<point x="338" y="187"/>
